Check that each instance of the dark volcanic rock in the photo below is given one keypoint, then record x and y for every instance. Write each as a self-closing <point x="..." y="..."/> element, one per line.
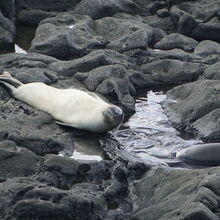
<point x="201" y="31"/>
<point x="28" y="75"/>
<point x="91" y="61"/>
<point x="97" y="9"/>
<point x="112" y="82"/>
<point x="32" y="129"/>
<point x="212" y="72"/>
<point x="207" y="48"/>
<point x="33" y="60"/>
<point x="161" y="21"/>
<point x="29" y="67"/>
<point x="7" y="7"/>
<point x="16" y="161"/>
<point x="141" y="56"/>
<point x="7" y="33"/>
<point x="47" y="5"/>
<point x="177" y="195"/>
<point x="208" y="126"/>
<point x="203" y="9"/>
<point x="66" y="36"/>
<point x="176" y="41"/>
<point x="25" y="198"/>
<point x="127" y="34"/>
<point x="67" y="171"/>
<point x="33" y="17"/>
<point x="190" y="102"/>
<point x="169" y="71"/>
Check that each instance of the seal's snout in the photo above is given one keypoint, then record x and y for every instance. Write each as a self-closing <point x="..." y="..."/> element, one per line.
<point x="113" y="114"/>
<point x="116" y="111"/>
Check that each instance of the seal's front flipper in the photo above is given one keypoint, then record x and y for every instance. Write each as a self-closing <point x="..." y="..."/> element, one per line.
<point x="68" y="124"/>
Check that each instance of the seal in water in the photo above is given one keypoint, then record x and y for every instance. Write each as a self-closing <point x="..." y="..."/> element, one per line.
<point x="69" y="107"/>
<point x="201" y="154"/>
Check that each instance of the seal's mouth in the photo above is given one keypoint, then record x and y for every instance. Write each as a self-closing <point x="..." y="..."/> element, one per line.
<point x="113" y="115"/>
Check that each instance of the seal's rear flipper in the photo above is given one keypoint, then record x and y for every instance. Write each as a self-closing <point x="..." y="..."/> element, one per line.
<point x="9" y="80"/>
<point x="6" y="74"/>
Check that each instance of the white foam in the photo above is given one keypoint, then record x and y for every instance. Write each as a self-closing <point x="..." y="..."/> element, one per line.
<point x="19" y="49"/>
<point x="71" y="26"/>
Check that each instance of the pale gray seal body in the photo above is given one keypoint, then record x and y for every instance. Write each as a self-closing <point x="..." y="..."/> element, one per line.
<point x="70" y="107"/>
<point x="203" y="154"/>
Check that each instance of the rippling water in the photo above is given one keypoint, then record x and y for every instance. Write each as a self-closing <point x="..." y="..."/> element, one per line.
<point x="149" y="135"/>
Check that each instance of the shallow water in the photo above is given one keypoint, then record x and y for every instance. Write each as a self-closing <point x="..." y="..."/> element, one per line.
<point x="149" y="135"/>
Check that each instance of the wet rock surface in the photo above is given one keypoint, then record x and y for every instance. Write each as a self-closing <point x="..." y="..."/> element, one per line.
<point x="7" y="33"/>
<point x="112" y="48"/>
<point x="177" y="194"/>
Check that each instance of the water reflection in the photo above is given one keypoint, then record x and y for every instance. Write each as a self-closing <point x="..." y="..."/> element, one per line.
<point x="149" y="135"/>
<point x="87" y="147"/>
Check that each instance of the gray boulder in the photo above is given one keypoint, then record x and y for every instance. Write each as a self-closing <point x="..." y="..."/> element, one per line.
<point x="201" y="31"/>
<point x="174" y="72"/>
<point x="203" y="10"/>
<point x="107" y="8"/>
<point x="7" y="7"/>
<point x="16" y="161"/>
<point x="187" y="103"/>
<point x="127" y="34"/>
<point x="207" y="127"/>
<point x="91" y="61"/>
<point x="32" y="129"/>
<point x="173" y="41"/>
<point x="7" y="33"/>
<point x="212" y="72"/>
<point x="47" y="5"/>
<point x="207" y="48"/>
<point x="29" y="67"/>
<point x="177" y="195"/>
<point x="112" y="82"/>
<point x="162" y="21"/>
<point x="25" y="198"/>
<point x="32" y="17"/>
<point x="66" y="36"/>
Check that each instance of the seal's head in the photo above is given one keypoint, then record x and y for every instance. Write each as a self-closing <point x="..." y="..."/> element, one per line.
<point x="113" y="116"/>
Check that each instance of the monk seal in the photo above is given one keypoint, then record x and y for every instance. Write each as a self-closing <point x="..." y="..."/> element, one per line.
<point x="201" y="154"/>
<point x="69" y="107"/>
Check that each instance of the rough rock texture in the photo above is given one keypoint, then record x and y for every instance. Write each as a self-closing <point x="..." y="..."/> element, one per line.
<point x="47" y="5"/>
<point x="127" y="34"/>
<point x="177" y="194"/>
<point x="66" y="36"/>
<point x="207" y="127"/>
<point x="32" y="17"/>
<point x="176" y="41"/>
<point x="107" y="8"/>
<point x="112" y="82"/>
<point x="168" y="71"/>
<point x="189" y="102"/>
<point x="213" y="72"/>
<point x="91" y="61"/>
<point x="7" y="33"/>
<point x="7" y="7"/>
